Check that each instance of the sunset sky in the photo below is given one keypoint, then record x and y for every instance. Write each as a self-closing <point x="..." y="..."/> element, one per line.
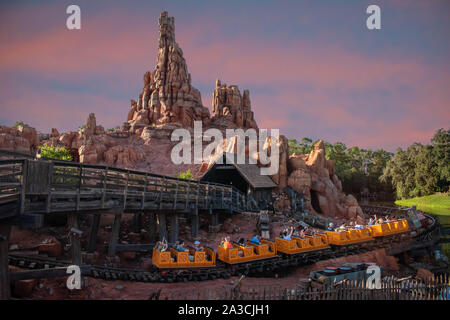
<point x="312" y="67"/>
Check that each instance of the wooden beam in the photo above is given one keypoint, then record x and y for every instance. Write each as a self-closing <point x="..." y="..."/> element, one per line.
<point x="194" y="223"/>
<point x="125" y="192"/>
<point x="152" y="231"/>
<point x="162" y="225"/>
<point x="173" y="237"/>
<point x="5" y="288"/>
<point x="94" y="232"/>
<point x="23" y="182"/>
<point x="75" y="239"/>
<point x="114" y="234"/>
<point x="137" y="222"/>
<point x="57" y="272"/>
<point x="105" y="175"/>
<point x="214" y="218"/>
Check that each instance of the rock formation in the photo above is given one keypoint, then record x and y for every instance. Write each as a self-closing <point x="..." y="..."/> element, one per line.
<point x="231" y="109"/>
<point x="167" y="96"/>
<point x="315" y="176"/>
<point x="22" y="139"/>
<point x="168" y="101"/>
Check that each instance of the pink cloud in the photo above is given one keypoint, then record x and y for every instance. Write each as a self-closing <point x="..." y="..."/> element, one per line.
<point x="316" y="81"/>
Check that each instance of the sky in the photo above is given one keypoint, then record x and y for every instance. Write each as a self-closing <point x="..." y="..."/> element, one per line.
<point x="313" y="68"/>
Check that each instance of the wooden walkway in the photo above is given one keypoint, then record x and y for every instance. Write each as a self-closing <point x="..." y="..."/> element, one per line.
<point x="52" y="186"/>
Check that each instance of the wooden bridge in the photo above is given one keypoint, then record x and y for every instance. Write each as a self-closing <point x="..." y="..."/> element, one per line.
<point x="52" y="186"/>
<point x="30" y="188"/>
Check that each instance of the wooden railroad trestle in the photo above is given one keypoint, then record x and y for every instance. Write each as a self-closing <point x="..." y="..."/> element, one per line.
<point x="30" y="187"/>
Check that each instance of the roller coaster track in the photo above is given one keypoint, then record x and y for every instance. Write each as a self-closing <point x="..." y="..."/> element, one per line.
<point x="268" y="267"/>
<point x="55" y="186"/>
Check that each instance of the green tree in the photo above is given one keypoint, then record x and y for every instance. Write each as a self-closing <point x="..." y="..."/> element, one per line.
<point x="441" y="156"/>
<point x="52" y="152"/>
<point x="305" y="146"/>
<point x="422" y="169"/>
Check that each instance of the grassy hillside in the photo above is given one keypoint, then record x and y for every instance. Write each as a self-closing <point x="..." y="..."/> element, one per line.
<point x="438" y="203"/>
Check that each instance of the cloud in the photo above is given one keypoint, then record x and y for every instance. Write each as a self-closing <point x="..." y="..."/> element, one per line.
<point x="53" y="77"/>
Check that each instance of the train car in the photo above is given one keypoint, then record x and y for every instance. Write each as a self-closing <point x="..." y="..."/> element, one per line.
<point x="248" y="251"/>
<point x="297" y="244"/>
<point x="389" y="228"/>
<point x="350" y="236"/>
<point x="350" y="271"/>
<point x="184" y="259"/>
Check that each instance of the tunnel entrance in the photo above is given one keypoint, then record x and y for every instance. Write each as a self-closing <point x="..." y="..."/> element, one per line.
<point x="315" y="201"/>
<point x="227" y="174"/>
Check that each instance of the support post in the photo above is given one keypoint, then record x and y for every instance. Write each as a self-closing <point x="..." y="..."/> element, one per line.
<point x="214" y="217"/>
<point x="162" y="225"/>
<point x="152" y="226"/>
<point x="94" y="232"/>
<point x="75" y="239"/>
<point x="137" y="222"/>
<point x="114" y="234"/>
<point x="194" y="223"/>
<point x="5" y="285"/>
<point x="173" y="227"/>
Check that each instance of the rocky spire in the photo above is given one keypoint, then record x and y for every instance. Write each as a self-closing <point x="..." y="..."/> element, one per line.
<point x="229" y="106"/>
<point x="167" y="96"/>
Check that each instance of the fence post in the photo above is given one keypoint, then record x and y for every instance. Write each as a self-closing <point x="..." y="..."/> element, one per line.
<point x="5" y="288"/>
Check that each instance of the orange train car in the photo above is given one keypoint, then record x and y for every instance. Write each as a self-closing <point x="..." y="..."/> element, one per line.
<point x="389" y="228"/>
<point x="247" y="252"/>
<point x="297" y="244"/>
<point x="187" y="259"/>
<point x="351" y="236"/>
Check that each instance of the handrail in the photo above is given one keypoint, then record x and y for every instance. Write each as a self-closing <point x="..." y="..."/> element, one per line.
<point x="67" y="177"/>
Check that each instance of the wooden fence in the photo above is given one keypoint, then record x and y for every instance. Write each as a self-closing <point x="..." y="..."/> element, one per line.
<point x="391" y="289"/>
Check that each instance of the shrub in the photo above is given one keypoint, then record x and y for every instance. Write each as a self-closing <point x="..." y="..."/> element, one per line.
<point x="19" y="123"/>
<point x="185" y="175"/>
<point x="53" y="152"/>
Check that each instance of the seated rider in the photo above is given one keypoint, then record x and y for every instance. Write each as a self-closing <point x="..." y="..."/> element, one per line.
<point x="288" y="235"/>
<point x="227" y="244"/>
<point x="331" y="226"/>
<point x="161" y="245"/>
<point x="256" y="239"/>
<point x="197" y="246"/>
<point x="179" y="246"/>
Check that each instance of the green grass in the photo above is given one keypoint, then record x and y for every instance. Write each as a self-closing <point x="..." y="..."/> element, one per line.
<point x="435" y="204"/>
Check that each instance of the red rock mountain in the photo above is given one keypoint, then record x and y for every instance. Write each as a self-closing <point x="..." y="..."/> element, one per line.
<point x="168" y="101"/>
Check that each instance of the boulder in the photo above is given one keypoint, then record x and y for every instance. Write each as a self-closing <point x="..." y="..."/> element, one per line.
<point x="351" y="212"/>
<point x="29" y="134"/>
<point x="55" y="133"/>
<point x="350" y="201"/>
<point x="296" y="162"/>
<point x="24" y="288"/>
<point x="324" y="205"/>
<point x="318" y="186"/>
<point x="299" y="180"/>
<point x="52" y="249"/>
